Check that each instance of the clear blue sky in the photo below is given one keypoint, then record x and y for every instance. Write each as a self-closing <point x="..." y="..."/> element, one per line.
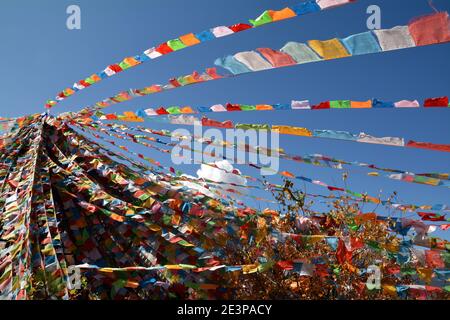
<point x="40" y="56"/>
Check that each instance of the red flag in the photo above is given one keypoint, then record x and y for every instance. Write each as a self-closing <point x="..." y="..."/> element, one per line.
<point x="429" y="146"/>
<point x="228" y="124"/>
<point x="430" y="29"/>
<point x="323" y="105"/>
<point x="115" y="67"/>
<point x="321" y="270"/>
<point x="434" y="260"/>
<point x="240" y="27"/>
<point x="164" y="48"/>
<point x="433" y="289"/>
<point x="175" y="82"/>
<point x="233" y="107"/>
<point x="342" y="254"/>
<point x="357" y="243"/>
<point x="431" y="216"/>
<point x="161" y="111"/>
<point x="393" y="270"/>
<point x="335" y="189"/>
<point x="436" y="102"/>
<point x="285" y="265"/>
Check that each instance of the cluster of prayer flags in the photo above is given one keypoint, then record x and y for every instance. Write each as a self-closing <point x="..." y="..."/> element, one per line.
<point x="67" y="200"/>
<point x="290" y="130"/>
<point x="430" y="179"/>
<point x="441" y="102"/>
<point x="423" y="31"/>
<point x="299" y="53"/>
<point x="192" y="39"/>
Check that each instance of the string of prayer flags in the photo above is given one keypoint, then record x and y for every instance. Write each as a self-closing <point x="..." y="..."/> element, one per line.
<point x="139" y="229"/>
<point x="191" y="39"/>
<point x="178" y="229"/>
<point x="331" y="134"/>
<point x="365" y="197"/>
<point x="317" y="160"/>
<point x="141" y="114"/>
<point x="265" y="59"/>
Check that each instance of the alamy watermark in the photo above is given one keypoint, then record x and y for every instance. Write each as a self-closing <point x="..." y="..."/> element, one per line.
<point x="265" y="142"/>
<point x="374" y="280"/>
<point x="73" y="21"/>
<point x="73" y="278"/>
<point x="374" y="20"/>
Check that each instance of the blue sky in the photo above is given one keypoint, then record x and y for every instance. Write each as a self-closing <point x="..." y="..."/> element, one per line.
<point x="41" y="57"/>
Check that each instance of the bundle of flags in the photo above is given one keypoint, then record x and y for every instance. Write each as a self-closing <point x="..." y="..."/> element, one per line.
<point x="192" y="39"/>
<point x="423" y="31"/>
<point x="70" y="202"/>
<point x="135" y="229"/>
